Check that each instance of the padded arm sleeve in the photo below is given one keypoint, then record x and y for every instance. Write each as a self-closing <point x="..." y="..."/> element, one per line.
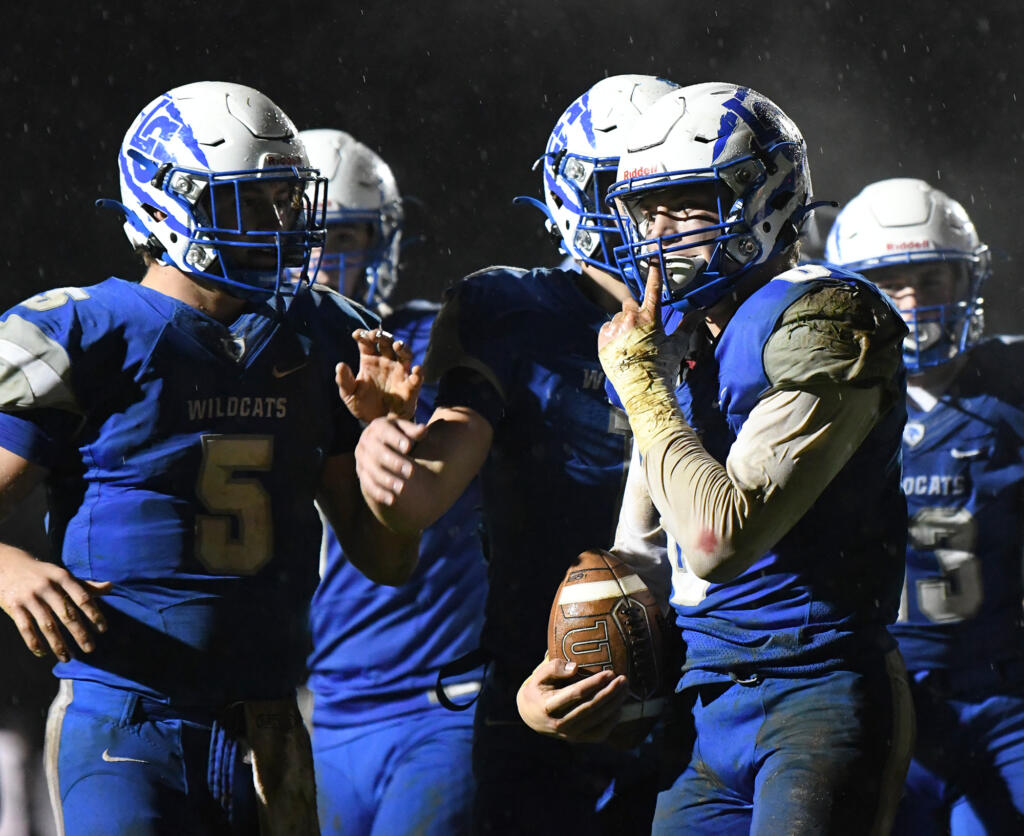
<point x="790" y="448"/>
<point x="833" y="365"/>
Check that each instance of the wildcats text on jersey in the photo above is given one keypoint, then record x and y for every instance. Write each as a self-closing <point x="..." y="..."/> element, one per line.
<point x="935" y="484"/>
<point x="202" y="409"/>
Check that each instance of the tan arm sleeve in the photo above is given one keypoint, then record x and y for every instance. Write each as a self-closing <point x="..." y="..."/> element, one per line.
<point x="791" y="446"/>
<point x="832" y="364"/>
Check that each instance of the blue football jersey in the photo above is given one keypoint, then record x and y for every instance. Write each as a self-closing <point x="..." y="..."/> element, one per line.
<point x="184" y="457"/>
<point x="553" y="478"/>
<point x="963" y="473"/>
<point x="379" y="648"/>
<point x="826" y="590"/>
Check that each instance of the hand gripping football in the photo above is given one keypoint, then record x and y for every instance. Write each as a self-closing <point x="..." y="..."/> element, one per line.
<point x="605" y="618"/>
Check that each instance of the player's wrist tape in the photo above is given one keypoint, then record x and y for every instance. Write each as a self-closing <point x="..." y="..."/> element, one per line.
<point x="642" y="372"/>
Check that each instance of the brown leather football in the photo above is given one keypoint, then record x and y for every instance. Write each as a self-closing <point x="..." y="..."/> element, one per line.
<point x="605" y="618"/>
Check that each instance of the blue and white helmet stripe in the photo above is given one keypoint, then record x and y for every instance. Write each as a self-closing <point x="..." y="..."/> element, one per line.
<point x="581" y="159"/>
<point x="216" y="135"/>
<point x="712" y="133"/>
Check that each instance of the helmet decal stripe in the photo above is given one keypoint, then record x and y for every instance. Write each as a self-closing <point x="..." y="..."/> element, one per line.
<point x="158" y="131"/>
<point x="725" y="128"/>
<point x="586" y="118"/>
<point x="582" y="154"/>
<point x="186" y="136"/>
<point x="762" y="128"/>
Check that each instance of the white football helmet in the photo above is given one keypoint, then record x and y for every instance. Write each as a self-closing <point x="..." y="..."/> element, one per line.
<point x="214" y="182"/>
<point x="742" y="143"/>
<point x="906" y="221"/>
<point x="360" y="190"/>
<point x="581" y="159"/>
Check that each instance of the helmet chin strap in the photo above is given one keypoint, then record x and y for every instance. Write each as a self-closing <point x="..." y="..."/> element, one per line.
<point x="550" y="225"/>
<point x="129" y="218"/>
<point x="532" y="201"/>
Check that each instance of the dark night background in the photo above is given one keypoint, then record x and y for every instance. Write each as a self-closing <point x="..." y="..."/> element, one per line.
<point x="459" y="97"/>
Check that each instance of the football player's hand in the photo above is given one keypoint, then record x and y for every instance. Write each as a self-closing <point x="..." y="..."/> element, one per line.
<point x="384" y="460"/>
<point x="553" y="701"/>
<point x="646" y="316"/>
<point x="42" y="598"/>
<point x="387" y="383"/>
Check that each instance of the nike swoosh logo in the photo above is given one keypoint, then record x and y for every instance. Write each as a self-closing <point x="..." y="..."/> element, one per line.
<point x="109" y="758"/>
<point x="276" y="372"/>
<point x="965" y="454"/>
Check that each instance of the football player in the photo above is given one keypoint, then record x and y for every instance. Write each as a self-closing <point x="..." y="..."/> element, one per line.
<point x="364" y="217"/>
<point x="772" y="457"/>
<point x="184" y="426"/>
<point x="521" y="400"/>
<point x="389" y="758"/>
<point x="960" y="627"/>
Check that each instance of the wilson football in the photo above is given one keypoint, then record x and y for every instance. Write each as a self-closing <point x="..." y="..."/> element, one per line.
<point x="605" y="618"/>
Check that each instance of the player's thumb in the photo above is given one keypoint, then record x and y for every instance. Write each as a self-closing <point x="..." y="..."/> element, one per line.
<point x="565" y="669"/>
<point x="99" y="587"/>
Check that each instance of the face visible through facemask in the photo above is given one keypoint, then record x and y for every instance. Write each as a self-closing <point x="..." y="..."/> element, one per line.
<point x="247" y="219"/>
<point x="682" y="222"/>
<point x="345" y="257"/>
<point x="929" y="295"/>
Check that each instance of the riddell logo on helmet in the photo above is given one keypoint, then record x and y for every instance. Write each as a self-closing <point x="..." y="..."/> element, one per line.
<point x="910" y="245"/>
<point x="271" y="160"/>
<point x="639" y="171"/>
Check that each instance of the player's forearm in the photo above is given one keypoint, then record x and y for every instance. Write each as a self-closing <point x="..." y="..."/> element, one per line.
<point x="384" y="555"/>
<point x="421" y="500"/>
<point x="18" y="477"/>
<point x="443" y="463"/>
<point x="708" y="515"/>
<point x="791" y="446"/>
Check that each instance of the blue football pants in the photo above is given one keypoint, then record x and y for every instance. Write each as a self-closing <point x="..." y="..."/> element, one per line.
<point x="410" y="775"/>
<point x="967" y="776"/>
<point x="823" y="754"/>
<point x="119" y="763"/>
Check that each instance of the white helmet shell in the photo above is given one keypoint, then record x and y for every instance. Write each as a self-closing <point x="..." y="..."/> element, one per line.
<point x="202" y="134"/>
<point x="902" y="220"/>
<point x="361" y="188"/>
<point x="719" y="133"/>
<point x="584" y="145"/>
